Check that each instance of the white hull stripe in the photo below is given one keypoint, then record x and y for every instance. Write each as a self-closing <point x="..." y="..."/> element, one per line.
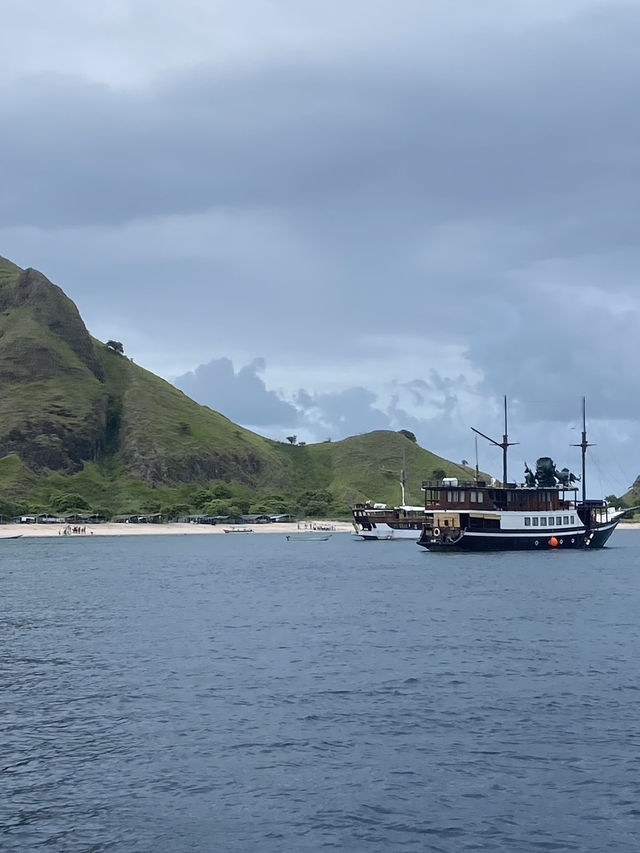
<point x="522" y="534"/>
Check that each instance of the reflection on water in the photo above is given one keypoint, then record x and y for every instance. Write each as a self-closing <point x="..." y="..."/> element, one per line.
<point x="200" y="694"/>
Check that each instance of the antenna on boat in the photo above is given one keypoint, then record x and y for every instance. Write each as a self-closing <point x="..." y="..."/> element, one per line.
<point x="505" y="444"/>
<point x="583" y="445"/>
<point x="403" y="483"/>
<point x="477" y="469"/>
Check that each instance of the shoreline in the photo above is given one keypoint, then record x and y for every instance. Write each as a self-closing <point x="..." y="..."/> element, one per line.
<point x="110" y="528"/>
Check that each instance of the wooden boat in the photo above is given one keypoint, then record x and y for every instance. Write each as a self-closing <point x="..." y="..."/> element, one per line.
<point x="308" y="536"/>
<point x="377" y="522"/>
<point x="542" y="513"/>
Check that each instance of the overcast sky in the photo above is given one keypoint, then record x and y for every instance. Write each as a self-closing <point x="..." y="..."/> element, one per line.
<point x="324" y="217"/>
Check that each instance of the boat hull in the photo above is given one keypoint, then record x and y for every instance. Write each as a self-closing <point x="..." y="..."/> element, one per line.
<point x="308" y="537"/>
<point x="388" y="536"/>
<point x="510" y="540"/>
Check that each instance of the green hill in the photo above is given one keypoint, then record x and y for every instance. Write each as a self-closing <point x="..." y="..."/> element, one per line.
<point x="83" y="427"/>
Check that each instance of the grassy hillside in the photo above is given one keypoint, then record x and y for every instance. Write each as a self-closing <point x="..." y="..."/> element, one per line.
<point x="367" y="467"/>
<point x="83" y="427"/>
<point x="320" y="479"/>
<point x="165" y="438"/>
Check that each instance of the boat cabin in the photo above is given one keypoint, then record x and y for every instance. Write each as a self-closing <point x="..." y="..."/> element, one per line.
<point x="452" y="494"/>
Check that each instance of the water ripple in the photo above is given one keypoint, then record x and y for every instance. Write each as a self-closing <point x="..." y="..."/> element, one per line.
<point x="194" y="695"/>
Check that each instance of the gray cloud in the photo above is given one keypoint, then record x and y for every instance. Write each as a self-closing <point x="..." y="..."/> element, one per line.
<point x="241" y="396"/>
<point x="363" y="198"/>
<point x="341" y="413"/>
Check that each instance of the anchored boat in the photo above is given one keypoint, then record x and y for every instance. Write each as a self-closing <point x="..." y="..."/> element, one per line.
<point x="308" y="536"/>
<point x="542" y="513"/>
<point x="376" y="522"/>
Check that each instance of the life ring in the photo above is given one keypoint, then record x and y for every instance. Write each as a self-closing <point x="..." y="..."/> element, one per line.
<point x="436" y="531"/>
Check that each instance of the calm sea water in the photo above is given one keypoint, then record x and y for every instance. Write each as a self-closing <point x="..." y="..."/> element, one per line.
<point x="250" y="694"/>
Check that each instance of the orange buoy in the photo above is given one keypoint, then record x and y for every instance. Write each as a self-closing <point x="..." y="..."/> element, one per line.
<point x="553" y="542"/>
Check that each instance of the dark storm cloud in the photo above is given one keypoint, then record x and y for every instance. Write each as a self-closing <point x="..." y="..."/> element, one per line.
<point x="458" y="184"/>
<point x="241" y="395"/>
<point x="537" y="127"/>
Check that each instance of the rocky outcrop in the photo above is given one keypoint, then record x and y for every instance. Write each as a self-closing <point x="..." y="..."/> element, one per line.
<point x="57" y="443"/>
<point x="53" y="310"/>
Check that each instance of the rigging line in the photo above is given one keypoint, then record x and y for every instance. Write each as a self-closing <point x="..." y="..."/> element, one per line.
<point x="604" y="474"/>
<point x="598" y="468"/>
<point x="612" y="454"/>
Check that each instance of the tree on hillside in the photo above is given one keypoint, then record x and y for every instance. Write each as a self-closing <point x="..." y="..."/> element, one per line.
<point x="199" y="497"/>
<point x="174" y="511"/>
<point x="408" y="434"/>
<point x="221" y="490"/>
<point x="292" y="439"/>
<point x="315" y="503"/>
<point x="69" y="502"/>
<point x="115" y="346"/>
<point x="612" y="500"/>
<point x="464" y="463"/>
<point x="217" y="507"/>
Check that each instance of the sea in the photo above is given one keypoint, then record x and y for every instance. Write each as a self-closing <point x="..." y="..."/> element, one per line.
<point x="164" y="694"/>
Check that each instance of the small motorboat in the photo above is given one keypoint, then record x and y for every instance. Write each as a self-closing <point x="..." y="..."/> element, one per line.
<point x="310" y="536"/>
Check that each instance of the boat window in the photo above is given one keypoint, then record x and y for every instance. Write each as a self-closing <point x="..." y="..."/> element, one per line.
<point x="480" y="497"/>
<point x="450" y="497"/>
<point x="558" y="519"/>
<point x="534" y="520"/>
<point x="573" y="519"/>
<point x="527" y="521"/>
<point x="472" y="497"/>
<point x="566" y="519"/>
<point x="460" y="497"/>
<point x="543" y="521"/>
<point x="550" y="521"/>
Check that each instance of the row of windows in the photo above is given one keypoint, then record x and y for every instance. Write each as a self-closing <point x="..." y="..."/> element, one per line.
<point x="459" y="497"/>
<point x="543" y="521"/>
<point x="538" y="496"/>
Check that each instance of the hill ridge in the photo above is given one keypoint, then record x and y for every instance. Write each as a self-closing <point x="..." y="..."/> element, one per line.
<point x="78" y="418"/>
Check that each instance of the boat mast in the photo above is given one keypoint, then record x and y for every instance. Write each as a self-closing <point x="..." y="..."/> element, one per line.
<point x="477" y="468"/>
<point x="403" y="483"/>
<point x="583" y="445"/>
<point x="505" y="444"/>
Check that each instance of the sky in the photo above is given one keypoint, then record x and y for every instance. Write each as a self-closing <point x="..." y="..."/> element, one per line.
<point x="323" y="218"/>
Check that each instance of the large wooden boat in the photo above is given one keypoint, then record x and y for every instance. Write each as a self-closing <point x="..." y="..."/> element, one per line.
<point x="377" y="522"/>
<point x="542" y="513"/>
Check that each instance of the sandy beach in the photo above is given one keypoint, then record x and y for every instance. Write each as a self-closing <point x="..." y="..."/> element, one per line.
<point x="170" y="529"/>
<point x="175" y="529"/>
